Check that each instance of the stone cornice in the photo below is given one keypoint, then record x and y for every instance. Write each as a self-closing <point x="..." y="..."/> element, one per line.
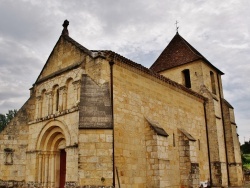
<point x="57" y="73"/>
<point x="137" y="68"/>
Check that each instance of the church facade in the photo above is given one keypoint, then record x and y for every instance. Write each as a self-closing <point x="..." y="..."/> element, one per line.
<point x="98" y="119"/>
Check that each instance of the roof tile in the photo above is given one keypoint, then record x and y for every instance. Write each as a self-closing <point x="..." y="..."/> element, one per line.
<point x="178" y="52"/>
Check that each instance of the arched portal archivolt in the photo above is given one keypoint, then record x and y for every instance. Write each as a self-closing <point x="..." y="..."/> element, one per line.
<point x="51" y="142"/>
<point x="48" y="128"/>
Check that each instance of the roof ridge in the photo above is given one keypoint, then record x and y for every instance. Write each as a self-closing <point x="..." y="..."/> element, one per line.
<point x="113" y="55"/>
<point x="178" y="52"/>
<point x="191" y="47"/>
<point x="199" y="54"/>
<point x="81" y="47"/>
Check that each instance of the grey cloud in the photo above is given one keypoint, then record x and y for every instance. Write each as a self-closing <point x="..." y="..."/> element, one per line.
<point x="12" y="104"/>
<point x="4" y="95"/>
<point x="20" y="20"/>
<point x="137" y="29"/>
<point x="16" y="59"/>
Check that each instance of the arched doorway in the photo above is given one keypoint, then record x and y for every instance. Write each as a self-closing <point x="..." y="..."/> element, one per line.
<point x="52" y="157"/>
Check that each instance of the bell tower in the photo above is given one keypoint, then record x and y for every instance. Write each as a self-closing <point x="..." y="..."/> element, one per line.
<point x="183" y="64"/>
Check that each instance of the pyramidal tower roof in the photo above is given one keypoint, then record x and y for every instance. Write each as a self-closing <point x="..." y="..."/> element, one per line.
<point x="178" y="52"/>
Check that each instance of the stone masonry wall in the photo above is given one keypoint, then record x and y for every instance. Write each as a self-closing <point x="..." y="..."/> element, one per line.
<point x="63" y="56"/>
<point x="196" y="74"/>
<point x="95" y="134"/>
<point x="189" y="167"/>
<point x="136" y="96"/>
<point x="158" y="168"/>
<point x="54" y="125"/>
<point x="95" y="104"/>
<point x="216" y="141"/>
<point x="215" y="126"/>
<point x="14" y="143"/>
<point x="233" y="149"/>
<point x="201" y="82"/>
<point x="95" y="157"/>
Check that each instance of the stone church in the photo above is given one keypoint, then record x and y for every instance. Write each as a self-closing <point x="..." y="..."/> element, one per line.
<point x="97" y="119"/>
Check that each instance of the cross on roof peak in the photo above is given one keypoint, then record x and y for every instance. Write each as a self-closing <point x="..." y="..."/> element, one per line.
<point x="176" y="24"/>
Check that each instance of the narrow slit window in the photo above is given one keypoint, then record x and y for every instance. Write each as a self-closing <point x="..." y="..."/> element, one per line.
<point x="199" y="144"/>
<point x="173" y="140"/>
<point x="57" y="99"/>
<point x="186" y="78"/>
<point x="212" y="82"/>
<point x="43" y="104"/>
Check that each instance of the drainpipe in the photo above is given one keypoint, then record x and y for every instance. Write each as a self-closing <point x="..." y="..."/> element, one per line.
<point x="224" y="131"/>
<point x="111" y="63"/>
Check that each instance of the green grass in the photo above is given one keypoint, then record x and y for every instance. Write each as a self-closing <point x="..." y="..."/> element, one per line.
<point x="246" y="163"/>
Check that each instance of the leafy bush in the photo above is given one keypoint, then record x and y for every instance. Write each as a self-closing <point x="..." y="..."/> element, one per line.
<point x="5" y="119"/>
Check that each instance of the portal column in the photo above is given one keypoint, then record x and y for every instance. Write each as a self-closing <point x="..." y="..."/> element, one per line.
<point x="46" y="170"/>
<point x="40" y="161"/>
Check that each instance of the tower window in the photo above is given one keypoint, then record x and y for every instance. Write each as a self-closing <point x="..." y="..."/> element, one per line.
<point x="212" y="82"/>
<point x="186" y="78"/>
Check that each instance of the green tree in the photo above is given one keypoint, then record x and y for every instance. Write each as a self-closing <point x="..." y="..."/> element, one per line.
<point x="245" y="148"/>
<point x="243" y="158"/>
<point x="2" y="122"/>
<point x="10" y="115"/>
<point x="5" y="119"/>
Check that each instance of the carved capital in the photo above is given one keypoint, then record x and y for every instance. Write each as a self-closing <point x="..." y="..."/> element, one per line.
<point x="39" y="98"/>
<point x="77" y="82"/>
<point x="50" y="93"/>
<point x="63" y="89"/>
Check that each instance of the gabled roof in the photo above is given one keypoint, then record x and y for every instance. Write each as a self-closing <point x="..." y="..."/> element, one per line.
<point x="73" y="42"/>
<point x="178" y="52"/>
<point x="110" y="55"/>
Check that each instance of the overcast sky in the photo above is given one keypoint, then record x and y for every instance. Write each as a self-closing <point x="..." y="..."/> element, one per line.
<point x="136" y="29"/>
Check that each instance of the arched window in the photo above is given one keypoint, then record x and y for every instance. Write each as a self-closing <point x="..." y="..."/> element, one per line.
<point x="70" y="96"/>
<point x="212" y="82"/>
<point x="44" y="106"/>
<point x="186" y="78"/>
<point x="55" y="98"/>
